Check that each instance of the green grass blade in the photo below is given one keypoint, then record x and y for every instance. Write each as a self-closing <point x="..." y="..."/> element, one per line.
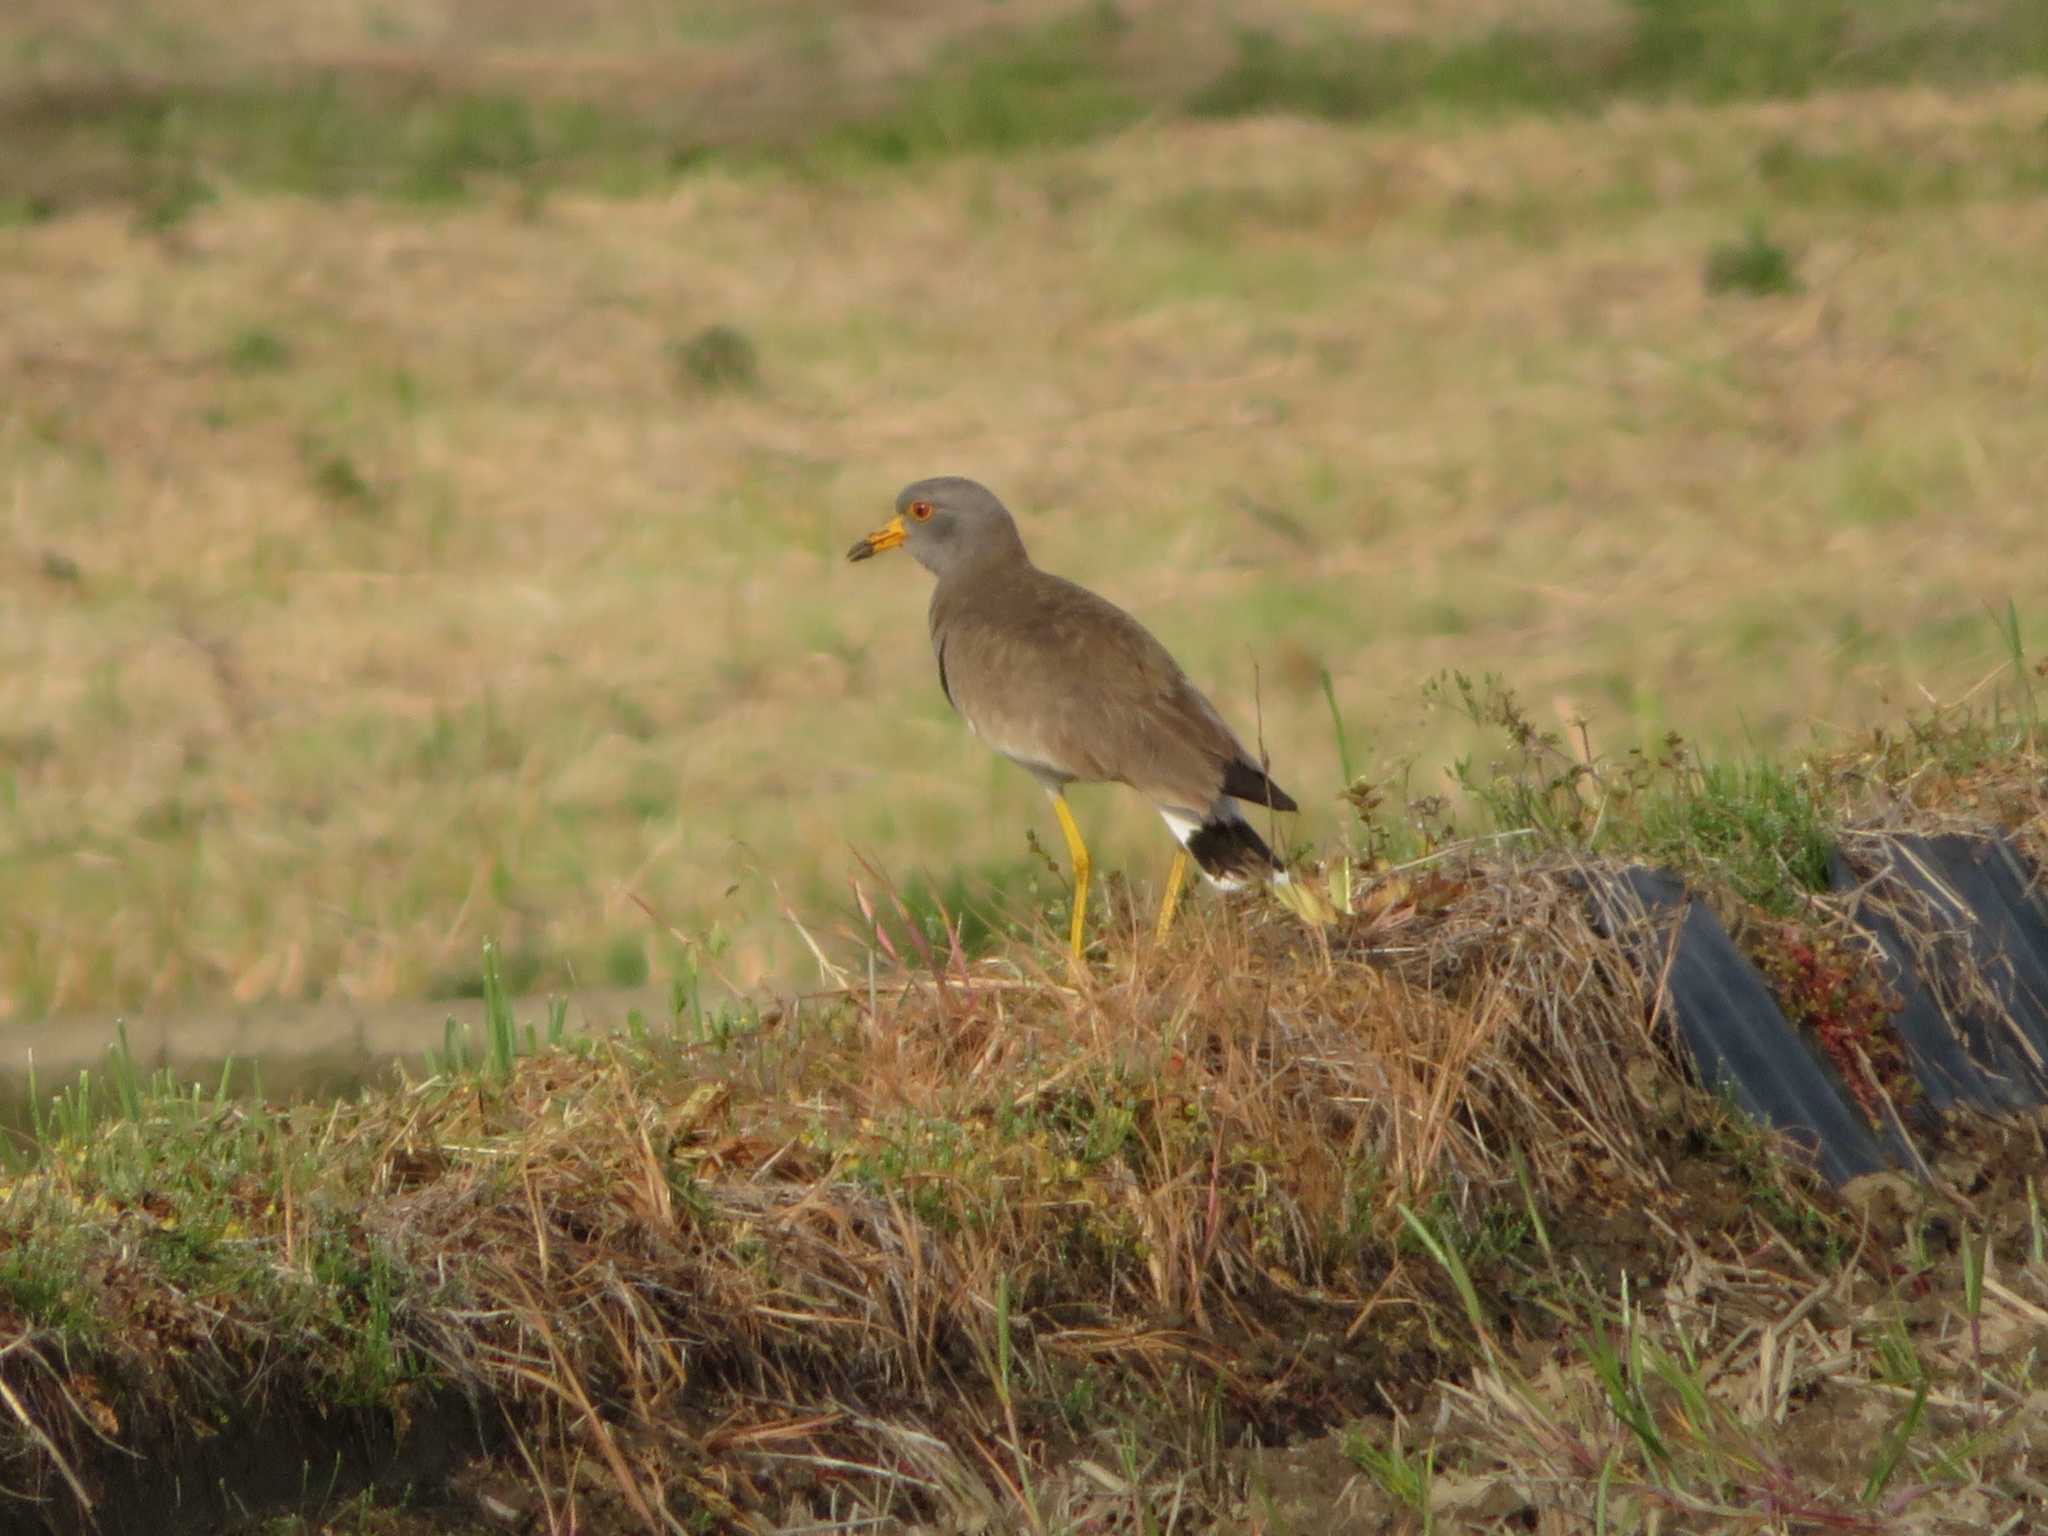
<point x="501" y="1037"/>
<point x="1894" y="1447"/>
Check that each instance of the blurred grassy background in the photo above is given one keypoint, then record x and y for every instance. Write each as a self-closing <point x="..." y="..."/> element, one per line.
<point x="429" y="435"/>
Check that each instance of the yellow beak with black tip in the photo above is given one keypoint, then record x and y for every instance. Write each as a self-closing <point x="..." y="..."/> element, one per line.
<point x="888" y="536"/>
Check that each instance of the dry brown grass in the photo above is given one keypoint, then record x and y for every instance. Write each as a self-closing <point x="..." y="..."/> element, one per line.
<point x="978" y="1242"/>
<point x="471" y="619"/>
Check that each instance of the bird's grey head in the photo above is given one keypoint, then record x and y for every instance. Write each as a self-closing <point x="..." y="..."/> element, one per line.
<point x="946" y="524"/>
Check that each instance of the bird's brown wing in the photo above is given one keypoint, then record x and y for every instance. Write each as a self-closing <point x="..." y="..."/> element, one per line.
<point x="1051" y="675"/>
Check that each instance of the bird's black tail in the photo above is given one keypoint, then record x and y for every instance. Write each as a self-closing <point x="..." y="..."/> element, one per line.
<point x="1229" y="850"/>
<point x="1247" y="781"/>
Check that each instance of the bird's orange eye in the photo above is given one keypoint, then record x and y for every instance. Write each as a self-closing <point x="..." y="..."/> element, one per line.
<point x="921" y="510"/>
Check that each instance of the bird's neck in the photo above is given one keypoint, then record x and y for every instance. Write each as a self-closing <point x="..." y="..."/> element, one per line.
<point x="979" y="585"/>
<point x="994" y="559"/>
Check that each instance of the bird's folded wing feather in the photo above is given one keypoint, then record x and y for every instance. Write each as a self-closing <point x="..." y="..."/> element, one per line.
<point x="1048" y="673"/>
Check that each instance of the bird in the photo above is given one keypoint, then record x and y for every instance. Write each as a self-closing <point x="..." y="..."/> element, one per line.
<point x="1073" y="689"/>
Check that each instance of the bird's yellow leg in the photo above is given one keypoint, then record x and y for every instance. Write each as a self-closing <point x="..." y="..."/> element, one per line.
<point x="1079" y="850"/>
<point x="1170" y="902"/>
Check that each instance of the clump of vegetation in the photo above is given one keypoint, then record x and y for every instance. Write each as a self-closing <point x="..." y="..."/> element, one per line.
<point x="169" y="200"/>
<point x="1756" y="265"/>
<point x="21" y="209"/>
<point x="719" y="357"/>
<point x="258" y="349"/>
<point x="61" y="567"/>
<point x="1759" y="826"/>
<point x="1834" y="990"/>
<point x="339" y="480"/>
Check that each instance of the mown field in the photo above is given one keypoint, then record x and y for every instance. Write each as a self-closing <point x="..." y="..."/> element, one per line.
<point x="391" y="561"/>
